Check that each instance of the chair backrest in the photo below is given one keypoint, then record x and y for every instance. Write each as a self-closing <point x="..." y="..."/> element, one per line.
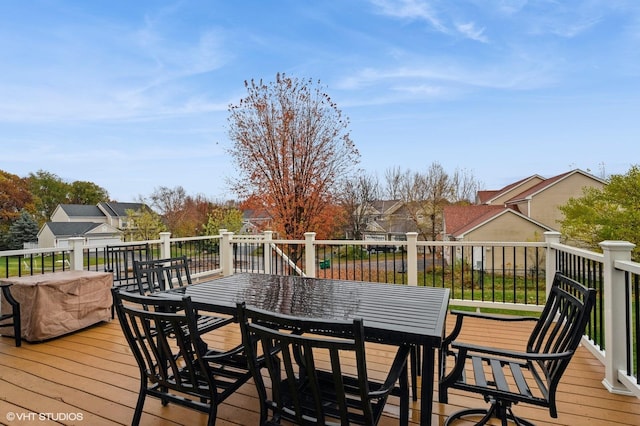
<point x="165" y="342"/>
<point x="119" y="259"/>
<point x="561" y="325"/>
<point x="301" y="351"/>
<point x="162" y="274"/>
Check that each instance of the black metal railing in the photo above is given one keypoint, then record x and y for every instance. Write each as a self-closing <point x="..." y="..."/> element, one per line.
<point x="588" y="272"/>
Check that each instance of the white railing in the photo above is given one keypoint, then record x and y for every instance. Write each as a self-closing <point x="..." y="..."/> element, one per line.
<point x="612" y="272"/>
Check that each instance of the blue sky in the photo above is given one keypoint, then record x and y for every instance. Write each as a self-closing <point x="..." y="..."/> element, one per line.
<point x="133" y="95"/>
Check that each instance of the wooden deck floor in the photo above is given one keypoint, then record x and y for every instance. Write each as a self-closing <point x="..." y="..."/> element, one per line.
<point x="90" y="378"/>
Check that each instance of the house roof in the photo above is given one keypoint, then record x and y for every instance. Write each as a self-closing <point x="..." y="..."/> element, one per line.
<point x="73" y="229"/>
<point x="486" y="197"/>
<point x="548" y="183"/>
<point x="458" y="217"/>
<point x="73" y="210"/>
<point x="120" y="209"/>
<point x="478" y="216"/>
<point x="253" y="215"/>
<point x="385" y="206"/>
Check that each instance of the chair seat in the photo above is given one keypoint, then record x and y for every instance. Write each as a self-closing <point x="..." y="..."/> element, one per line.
<point x="208" y="323"/>
<point x="332" y="410"/>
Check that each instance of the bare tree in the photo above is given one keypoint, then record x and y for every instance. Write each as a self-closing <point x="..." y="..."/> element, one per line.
<point x="170" y="203"/>
<point x="424" y="196"/>
<point x="393" y="179"/>
<point x="464" y="186"/>
<point x="355" y="198"/>
<point x="292" y="146"/>
<point x="183" y="214"/>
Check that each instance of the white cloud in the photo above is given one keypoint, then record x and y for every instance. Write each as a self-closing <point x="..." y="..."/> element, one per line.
<point x="470" y="31"/>
<point x="412" y="10"/>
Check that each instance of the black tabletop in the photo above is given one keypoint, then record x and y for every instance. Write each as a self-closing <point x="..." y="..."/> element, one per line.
<point x="392" y="313"/>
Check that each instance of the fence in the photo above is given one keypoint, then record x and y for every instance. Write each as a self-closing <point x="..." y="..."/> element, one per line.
<point x="504" y="275"/>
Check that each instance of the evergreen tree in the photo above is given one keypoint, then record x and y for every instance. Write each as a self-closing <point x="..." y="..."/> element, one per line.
<point x="23" y="230"/>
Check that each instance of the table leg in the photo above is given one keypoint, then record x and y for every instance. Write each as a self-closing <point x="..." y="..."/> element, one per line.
<point x="426" y="396"/>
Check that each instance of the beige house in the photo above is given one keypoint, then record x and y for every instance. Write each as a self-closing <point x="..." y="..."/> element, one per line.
<point x="535" y="198"/>
<point x="387" y="220"/>
<point x="541" y="201"/>
<point x="99" y="224"/>
<point x="520" y="212"/>
<point x="57" y="234"/>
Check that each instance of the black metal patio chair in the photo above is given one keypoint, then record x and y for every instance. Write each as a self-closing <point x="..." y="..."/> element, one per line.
<point x="175" y="363"/>
<point x="119" y="261"/>
<point x="315" y="388"/>
<point x="506" y="377"/>
<point x="14" y="315"/>
<point x="164" y="274"/>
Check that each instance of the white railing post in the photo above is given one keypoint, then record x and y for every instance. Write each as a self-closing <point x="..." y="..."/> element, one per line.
<point x="550" y="237"/>
<point x="226" y="253"/>
<point x="412" y="258"/>
<point x="165" y="245"/>
<point x="615" y="326"/>
<point x="77" y="253"/>
<point x="310" y="254"/>
<point x="267" y="252"/>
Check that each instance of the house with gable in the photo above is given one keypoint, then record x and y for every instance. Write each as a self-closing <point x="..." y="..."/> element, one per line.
<point x="99" y="224"/>
<point x="534" y="198"/>
<point x="500" y="196"/>
<point x="519" y="212"/>
<point x="541" y="201"/>
<point x="387" y="220"/>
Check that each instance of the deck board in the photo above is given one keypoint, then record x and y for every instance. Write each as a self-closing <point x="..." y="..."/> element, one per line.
<point x="92" y="373"/>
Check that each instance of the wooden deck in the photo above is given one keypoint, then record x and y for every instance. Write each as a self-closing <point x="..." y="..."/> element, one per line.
<point x="90" y="378"/>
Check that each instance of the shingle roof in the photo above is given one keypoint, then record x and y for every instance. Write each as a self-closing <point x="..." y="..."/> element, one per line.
<point x="60" y="229"/>
<point x="120" y="209"/>
<point x="479" y="217"/>
<point x="485" y="197"/>
<point x="459" y="217"/>
<point x="73" y="210"/>
<point x="545" y="184"/>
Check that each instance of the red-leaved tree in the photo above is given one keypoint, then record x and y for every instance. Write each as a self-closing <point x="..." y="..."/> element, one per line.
<point x="291" y="145"/>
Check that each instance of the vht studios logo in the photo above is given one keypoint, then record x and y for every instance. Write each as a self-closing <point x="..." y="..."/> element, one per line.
<point x="56" y="417"/>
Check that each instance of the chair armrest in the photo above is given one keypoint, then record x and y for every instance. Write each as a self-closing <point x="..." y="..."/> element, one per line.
<point x="394" y="372"/>
<point x="460" y="316"/>
<point x="6" y="292"/>
<point x="465" y="348"/>
<point x="495" y="317"/>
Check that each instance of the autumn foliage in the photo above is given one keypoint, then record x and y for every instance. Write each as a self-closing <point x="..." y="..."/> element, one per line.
<point x="291" y="146"/>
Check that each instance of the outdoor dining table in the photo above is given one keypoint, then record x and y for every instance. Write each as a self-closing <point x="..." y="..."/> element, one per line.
<point x="392" y="314"/>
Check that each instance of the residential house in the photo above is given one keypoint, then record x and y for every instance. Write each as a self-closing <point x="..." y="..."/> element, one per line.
<point x="255" y="221"/>
<point x="535" y="199"/>
<point x="387" y="220"/>
<point x="57" y="234"/>
<point x="521" y="211"/>
<point x="99" y="224"/>
<point x="541" y="202"/>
